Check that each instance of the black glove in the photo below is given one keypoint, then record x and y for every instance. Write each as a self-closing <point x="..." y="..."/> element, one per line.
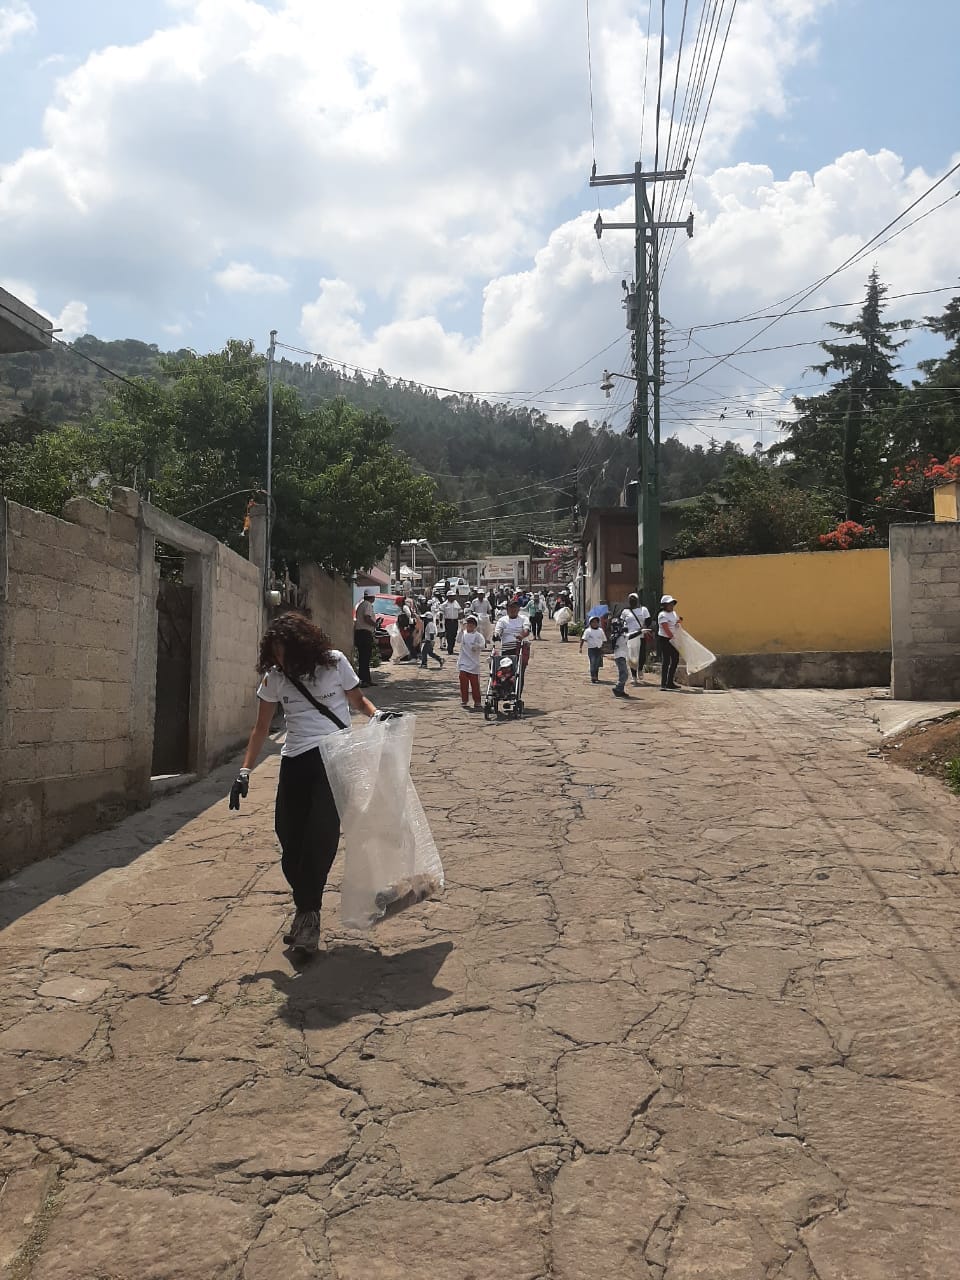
<point x="388" y="715"/>
<point x="239" y="788"/>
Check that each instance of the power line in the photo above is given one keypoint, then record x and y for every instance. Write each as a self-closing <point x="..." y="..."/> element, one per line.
<point x="48" y="333"/>
<point x="656" y="149"/>
<point x="855" y="257"/>
<point x="593" y="132"/>
<point x="829" y="276"/>
<point x="683" y="196"/>
<point x="522" y="397"/>
<point x="804" y="311"/>
<point x="646" y="64"/>
<point x="676" y="78"/>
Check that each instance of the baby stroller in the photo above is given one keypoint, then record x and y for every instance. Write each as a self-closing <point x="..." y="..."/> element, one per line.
<point x="505" y="685"/>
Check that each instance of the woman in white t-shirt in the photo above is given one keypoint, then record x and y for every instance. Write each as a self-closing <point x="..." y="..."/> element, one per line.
<point x="296" y="660"/>
<point x="667" y="619"/>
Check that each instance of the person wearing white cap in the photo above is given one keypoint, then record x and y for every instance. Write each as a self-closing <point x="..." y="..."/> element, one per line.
<point x="667" y="619"/>
<point x="451" y="619"/>
<point x="364" y="629"/>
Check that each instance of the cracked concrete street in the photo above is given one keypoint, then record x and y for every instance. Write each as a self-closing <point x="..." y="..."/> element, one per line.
<point x="687" y="1009"/>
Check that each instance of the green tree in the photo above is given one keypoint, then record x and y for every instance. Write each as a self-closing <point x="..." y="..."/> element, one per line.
<point x="756" y="510"/>
<point x="839" y="439"/>
<point x="195" y="445"/>
<point x="54" y="466"/>
<point x="925" y="422"/>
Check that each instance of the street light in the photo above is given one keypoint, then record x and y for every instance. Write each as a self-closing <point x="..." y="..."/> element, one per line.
<point x="608" y="377"/>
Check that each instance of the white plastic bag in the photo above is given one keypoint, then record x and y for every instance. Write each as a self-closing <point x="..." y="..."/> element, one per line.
<point x="634" y="645"/>
<point x="397" y="645"/>
<point x="695" y="655"/>
<point x="391" y="859"/>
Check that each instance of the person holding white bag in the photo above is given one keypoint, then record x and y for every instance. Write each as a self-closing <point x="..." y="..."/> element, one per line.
<point x="636" y="619"/>
<point x="318" y="689"/>
<point x="668" y="621"/>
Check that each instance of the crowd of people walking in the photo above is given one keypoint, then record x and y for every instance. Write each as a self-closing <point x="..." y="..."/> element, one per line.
<point x="462" y="625"/>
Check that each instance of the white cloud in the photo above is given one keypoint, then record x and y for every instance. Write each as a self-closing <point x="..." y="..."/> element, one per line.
<point x="425" y="161"/>
<point x="758" y="240"/>
<point x="16" y="19"/>
<point x="417" y="149"/>
<point x="241" y="277"/>
<point x="72" y="321"/>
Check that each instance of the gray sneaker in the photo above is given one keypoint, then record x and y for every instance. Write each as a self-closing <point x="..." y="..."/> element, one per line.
<point x="295" y="926"/>
<point x="307" y="937"/>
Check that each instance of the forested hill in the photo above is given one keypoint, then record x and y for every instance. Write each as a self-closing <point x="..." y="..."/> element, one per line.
<point x="511" y="466"/>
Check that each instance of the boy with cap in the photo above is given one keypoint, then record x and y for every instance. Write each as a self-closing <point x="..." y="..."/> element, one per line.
<point x="429" y="637"/>
<point x="594" y="637"/>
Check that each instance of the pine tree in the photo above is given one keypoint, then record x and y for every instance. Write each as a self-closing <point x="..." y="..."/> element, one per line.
<point x="926" y="421"/>
<point x="839" y="440"/>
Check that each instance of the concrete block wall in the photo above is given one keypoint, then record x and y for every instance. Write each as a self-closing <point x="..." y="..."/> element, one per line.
<point x="330" y="601"/>
<point x="78" y="664"/>
<point x="68" y="637"/>
<point x="925" y="611"/>
<point x="234" y="641"/>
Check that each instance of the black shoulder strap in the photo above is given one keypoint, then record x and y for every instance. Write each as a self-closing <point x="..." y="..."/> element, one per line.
<point x="324" y="711"/>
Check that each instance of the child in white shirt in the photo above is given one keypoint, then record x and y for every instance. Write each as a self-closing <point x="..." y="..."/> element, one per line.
<point x="594" y="637"/>
<point x="429" y="639"/>
<point x="472" y="645"/>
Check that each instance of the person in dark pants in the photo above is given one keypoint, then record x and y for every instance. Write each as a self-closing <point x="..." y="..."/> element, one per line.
<point x="452" y="613"/>
<point x="296" y="660"/>
<point x="535" y="614"/>
<point x="667" y="619"/>
<point x="364" y="630"/>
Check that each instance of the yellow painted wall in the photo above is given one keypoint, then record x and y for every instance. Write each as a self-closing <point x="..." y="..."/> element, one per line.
<point x="803" y="602"/>
<point x="946" y="502"/>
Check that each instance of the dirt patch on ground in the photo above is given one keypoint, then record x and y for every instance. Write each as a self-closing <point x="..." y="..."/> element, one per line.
<point x="927" y="749"/>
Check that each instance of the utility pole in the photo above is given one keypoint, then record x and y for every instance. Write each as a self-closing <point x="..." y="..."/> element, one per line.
<point x="643" y="317"/>
<point x="271" y="353"/>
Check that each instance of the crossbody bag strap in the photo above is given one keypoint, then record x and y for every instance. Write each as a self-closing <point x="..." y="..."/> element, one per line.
<point x="324" y="711"/>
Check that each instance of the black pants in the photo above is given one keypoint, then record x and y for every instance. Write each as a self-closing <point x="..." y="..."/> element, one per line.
<point x="641" y="658"/>
<point x="564" y="628"/>
<point x="308" y="827"/>
<point x="536" y="624"/>
<point x="669" y="661"/>
<point x="451" y="626"/>
<point x="364" y="642"/>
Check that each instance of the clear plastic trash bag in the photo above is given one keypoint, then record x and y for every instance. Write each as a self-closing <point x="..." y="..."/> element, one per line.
<point x="634" y="646"/>
<point x="397" y="645"/>
<point x="695" y="655"/>
<point x="390" y="856"/>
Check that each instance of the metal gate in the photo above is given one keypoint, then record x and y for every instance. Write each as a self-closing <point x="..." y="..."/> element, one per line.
<point x="171" y="725"/>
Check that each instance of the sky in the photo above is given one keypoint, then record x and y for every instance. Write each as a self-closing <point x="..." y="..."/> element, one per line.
<point x="403" y="184"/>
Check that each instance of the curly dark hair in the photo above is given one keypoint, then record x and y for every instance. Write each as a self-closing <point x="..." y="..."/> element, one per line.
<point x="305" y="647"/>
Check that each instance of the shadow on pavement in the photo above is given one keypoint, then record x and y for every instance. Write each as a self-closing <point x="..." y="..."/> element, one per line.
<point x="338" y="985"/>
<point x="118" y="846"/>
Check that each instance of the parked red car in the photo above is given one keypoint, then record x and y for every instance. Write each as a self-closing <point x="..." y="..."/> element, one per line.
<point x="387" y="609"/>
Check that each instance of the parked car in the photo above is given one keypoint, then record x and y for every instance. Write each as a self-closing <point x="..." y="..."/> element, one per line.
<point x="386" y="609"/>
